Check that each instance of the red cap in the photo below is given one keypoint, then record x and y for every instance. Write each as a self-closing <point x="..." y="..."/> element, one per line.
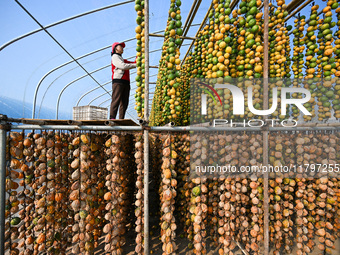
<point x="117" y="43"/>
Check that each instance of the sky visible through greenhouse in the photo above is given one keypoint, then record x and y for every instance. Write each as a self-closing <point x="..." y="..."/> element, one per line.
<point x="24" y="63"/>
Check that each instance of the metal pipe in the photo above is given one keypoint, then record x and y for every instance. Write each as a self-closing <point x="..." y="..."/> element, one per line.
<point x="192" y="13"/>
<point x="74" y="122"/>
<point x="170" y="124"/>
<point x="110" y="123"/>
<point x="170" y="129"/>
<point x="69" y="62"/>
<point x="2" y="182"/>
<point x="265" y="193"/>
<point x="298" y="9"/>
<point x="34" y="121"/>
<point x="193" y="6"/>
<point x="98" y="96"/>
<point x="82" y="96"/>
<point x="208" y="126"/>
<point x="233" y="4"/>
<point x="74" y="127"/>
<point x="104" y="102"/>
<point x="146" y="131"/>
<point x="62" y="21"/>
<point x="265" y="132"/>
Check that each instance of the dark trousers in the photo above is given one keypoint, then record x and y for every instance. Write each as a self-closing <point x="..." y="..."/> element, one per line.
<point x="120" y="98"/>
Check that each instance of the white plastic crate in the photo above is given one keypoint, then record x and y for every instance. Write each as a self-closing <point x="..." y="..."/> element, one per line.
<point x="89" y="112"/>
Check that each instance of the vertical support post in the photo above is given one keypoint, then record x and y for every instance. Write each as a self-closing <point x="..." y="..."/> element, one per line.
<point x="146" y="131"/>
<point x="2" y="181"/>
<point x="265" y="132"/>
<point x="146" y="192"/>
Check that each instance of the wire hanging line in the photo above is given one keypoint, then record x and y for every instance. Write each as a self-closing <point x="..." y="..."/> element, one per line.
<point x="62" y="21"/>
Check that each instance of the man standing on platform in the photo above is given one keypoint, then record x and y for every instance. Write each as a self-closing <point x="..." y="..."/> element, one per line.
<point x="120" y="81"/>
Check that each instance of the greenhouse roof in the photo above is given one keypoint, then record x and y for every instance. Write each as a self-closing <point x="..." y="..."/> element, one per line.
<point x="69" y="64"/>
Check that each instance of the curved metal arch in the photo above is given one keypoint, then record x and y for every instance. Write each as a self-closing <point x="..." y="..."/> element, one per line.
<point x="68" y="71"/>
<point x="69" y="62"/>
<point x="132" y="98"/>
<point x="70" y="83"/>
<point x="128" y="112"/>
<point x="88" y="92"/>
<point x="99" y="86"/>
<point x="42" y="100"/>
<point x="111" y="91"/>
<point x="62" y="21"/>
<point x="110" y="98"/>
<point x="104" y="101"/>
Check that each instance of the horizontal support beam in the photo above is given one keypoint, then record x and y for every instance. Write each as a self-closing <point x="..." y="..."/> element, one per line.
<point x="175" y="129"/>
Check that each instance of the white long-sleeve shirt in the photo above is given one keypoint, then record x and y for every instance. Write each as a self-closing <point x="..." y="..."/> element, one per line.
<point x="120" y="68"/>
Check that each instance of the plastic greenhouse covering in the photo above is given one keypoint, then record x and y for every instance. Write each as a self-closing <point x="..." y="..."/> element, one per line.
<point x="42" y="65"/>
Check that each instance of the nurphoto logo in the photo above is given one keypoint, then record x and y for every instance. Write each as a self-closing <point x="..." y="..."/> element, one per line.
<point x="238" y="100"/>
<point x="239" y="103"/>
